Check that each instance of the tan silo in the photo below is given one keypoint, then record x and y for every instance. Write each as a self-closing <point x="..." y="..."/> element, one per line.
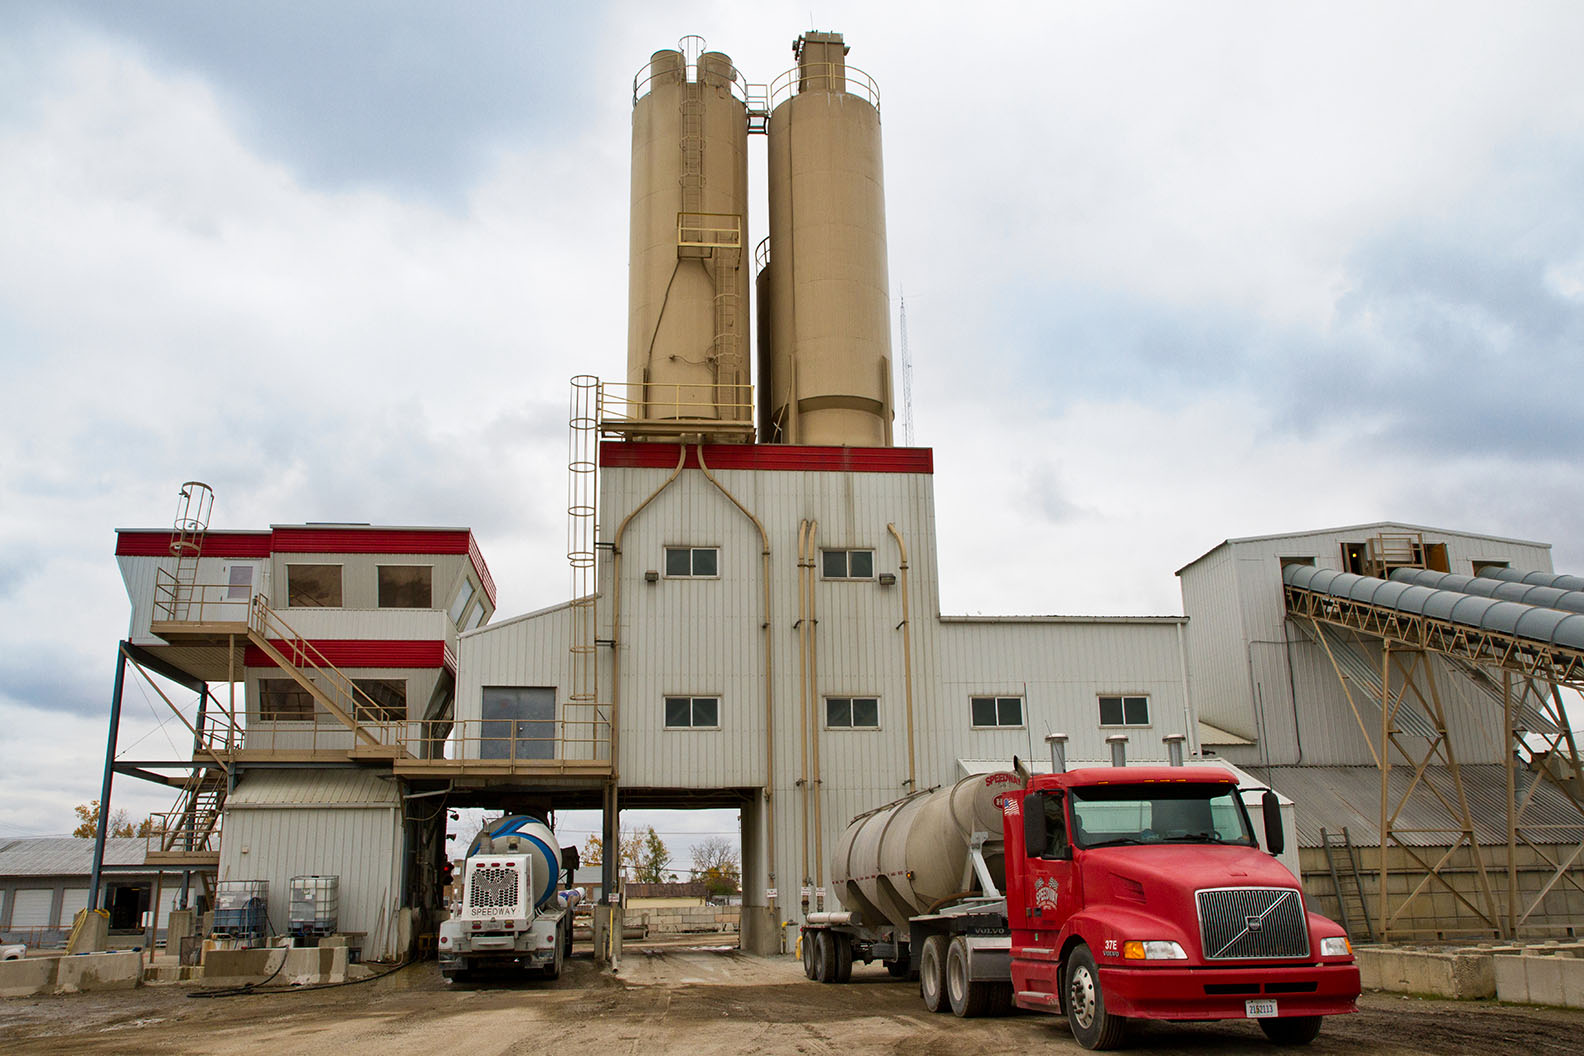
<point x="687" y="325"/>
<point x="830" y="332"/>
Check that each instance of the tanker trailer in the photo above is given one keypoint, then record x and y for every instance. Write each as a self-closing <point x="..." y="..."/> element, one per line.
<point x="514" y="911"/>
<point x="936" y="854"/>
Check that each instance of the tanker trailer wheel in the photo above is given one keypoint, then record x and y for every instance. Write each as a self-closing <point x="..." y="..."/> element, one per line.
<point x="825" y="956"/>
<point x="809" y="968"/>
<point x="1294" y="1030"/>
<point x="932" y="973"/>
<point x="969" y="998"/>
<point x="842" y="944"/>
<point x="1091" y="1024"/>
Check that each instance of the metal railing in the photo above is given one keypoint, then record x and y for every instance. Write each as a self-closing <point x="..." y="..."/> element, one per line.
<point x="652" y="401"/>
<point x="709" y="230"/>
<point x="179" y="602"/>
<point x="688" y="72"/>
<point x="825" y="77"/>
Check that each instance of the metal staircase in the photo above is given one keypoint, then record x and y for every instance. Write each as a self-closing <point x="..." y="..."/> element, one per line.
<point x="1347" y="883"/>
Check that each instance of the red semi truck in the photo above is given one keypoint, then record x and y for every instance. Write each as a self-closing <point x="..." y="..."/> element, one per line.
<point x="1104" y="894"/>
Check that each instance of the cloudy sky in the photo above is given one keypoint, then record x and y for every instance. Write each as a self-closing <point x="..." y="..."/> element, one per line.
<point x="1173" y="273"/>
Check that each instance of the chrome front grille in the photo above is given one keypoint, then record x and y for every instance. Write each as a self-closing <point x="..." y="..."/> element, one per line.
<point x="492" y="890"/>
<point x="1247" y="923"/>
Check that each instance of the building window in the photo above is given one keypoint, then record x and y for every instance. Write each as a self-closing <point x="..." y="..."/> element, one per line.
<point x="997" y="711"/>
<point x="313" y="585"/>
<point x="459" y="606"/>
<point x="406" y="587"/>
<point x="381" y="699"/>
<point x="852" y="713"/>
<point x="283" y="700"/>
<point x="698" y="562"/>
<point x="480" y="614"/>
<point x="692" y="713"/>
<point x="239" y="583"/>
<point x="1124" y="711"/>
<point x="847" y="564"/>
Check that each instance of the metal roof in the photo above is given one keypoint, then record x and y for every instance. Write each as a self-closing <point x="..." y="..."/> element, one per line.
<point x="1370" y="526"/>
<point x="1338" y="796"/>
<point x="64" y="855"/>
<point x="313" y="788"/>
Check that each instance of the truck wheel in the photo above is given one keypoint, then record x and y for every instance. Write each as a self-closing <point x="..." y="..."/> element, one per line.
<point x="825" y="964"/>
<point x="1091" y="1024"/>
<point x="553" y="969"/>
<point x="567" y="951"/>
<point x="932" y="973"/>
<point x="844" y="957"/>
<point x="809" y="967"/>
<point x="1294" y="1030"/>
<point x="969" y="999"/>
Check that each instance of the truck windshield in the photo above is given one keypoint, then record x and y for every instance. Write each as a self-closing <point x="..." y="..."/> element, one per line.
<point x="1112" y="815"/>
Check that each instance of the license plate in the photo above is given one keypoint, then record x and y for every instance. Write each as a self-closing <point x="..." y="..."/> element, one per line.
<point x="1259" y="1009"/>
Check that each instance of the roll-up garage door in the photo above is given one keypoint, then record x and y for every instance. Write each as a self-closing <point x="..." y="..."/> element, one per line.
<point x="72" y="899"/>
<point x="31" y="907"/>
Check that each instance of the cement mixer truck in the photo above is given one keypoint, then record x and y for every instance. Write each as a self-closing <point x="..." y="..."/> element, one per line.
<point x="1103" y="894"/>
<point x="514" y="911"/>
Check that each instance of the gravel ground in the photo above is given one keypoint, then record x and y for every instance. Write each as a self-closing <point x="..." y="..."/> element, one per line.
<point x="695" y="1001"/>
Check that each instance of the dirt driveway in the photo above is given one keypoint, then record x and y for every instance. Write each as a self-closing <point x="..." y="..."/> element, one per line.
<point x="692" y="1001"/>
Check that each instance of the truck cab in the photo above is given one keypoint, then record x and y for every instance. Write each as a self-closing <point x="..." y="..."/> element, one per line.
<point x="1142" y="892"/>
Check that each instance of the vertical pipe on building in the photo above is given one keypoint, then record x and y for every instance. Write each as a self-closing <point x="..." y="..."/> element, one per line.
<point x="1174" y="748"/>
<point x="814" y="694"/>
<point x="1118" y="743"/>
<point x="803" y="700"/>
<point x="907" y="656"/>
<point x="1190" y="727"/>
<point x="612" y="830"/>
<point x="769" y="671"/>
<point x="109" y="771"/>
<point x="1058" y="750"/>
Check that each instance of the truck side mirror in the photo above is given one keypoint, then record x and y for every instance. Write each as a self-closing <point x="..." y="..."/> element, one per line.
<point x="1035" y="841"/>
<point x="1275" y="838"/>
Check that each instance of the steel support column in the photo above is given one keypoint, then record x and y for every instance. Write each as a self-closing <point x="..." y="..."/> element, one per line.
<point x="109" y="774"/>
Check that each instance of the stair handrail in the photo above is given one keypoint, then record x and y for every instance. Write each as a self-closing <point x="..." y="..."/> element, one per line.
<point x="263" y="620"/>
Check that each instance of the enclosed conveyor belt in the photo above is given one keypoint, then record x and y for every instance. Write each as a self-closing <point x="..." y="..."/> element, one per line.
<point x="1534" y="623"/>
<point x="1543" y="595"/>
<point x="1541" y="579"/>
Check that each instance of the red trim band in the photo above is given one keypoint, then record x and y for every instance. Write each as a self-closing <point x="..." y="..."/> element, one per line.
<point x="628" y="454"/>
<point x="350" y="652"/>
<point x="154" y="542"/>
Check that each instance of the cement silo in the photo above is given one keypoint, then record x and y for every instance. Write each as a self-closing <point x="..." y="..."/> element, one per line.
<point x="687" y="328"/>
<point x="828" y="344"/>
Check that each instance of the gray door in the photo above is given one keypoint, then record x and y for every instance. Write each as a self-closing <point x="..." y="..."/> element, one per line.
<point x="519" y="723"/>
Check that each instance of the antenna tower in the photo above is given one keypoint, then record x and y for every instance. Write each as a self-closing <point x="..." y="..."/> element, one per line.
<point x="907" y="380"/>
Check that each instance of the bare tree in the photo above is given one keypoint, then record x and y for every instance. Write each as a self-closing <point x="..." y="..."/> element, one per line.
<point x="715" y="861"/>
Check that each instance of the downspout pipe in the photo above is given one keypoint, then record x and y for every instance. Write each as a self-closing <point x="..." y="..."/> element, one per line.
<point x="609" y="870"/>
<point x="814" y="696"/>
<point x="803" y="699"/>
<point x="769" y="675"/>
<point x="906" y="628"/>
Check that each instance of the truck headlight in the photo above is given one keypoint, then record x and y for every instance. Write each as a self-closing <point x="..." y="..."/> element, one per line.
<point x="1153" y="950"/>
<point x="1336" y="947"/>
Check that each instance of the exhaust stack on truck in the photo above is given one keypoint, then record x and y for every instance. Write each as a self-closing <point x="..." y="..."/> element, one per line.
<point x="1102" y="894"/>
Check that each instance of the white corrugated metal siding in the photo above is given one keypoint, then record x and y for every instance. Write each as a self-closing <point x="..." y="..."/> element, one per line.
<point x="346" y="823"/>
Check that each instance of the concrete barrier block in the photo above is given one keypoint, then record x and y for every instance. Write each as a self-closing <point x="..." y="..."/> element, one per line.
<point x="1545" y="980"/>
<point x="241" y="967"/>
<point x="310" y="967"/>
<point x="28" y="976"/>
<point x="1512" y="980"/>
<point x="121" y="970"/>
